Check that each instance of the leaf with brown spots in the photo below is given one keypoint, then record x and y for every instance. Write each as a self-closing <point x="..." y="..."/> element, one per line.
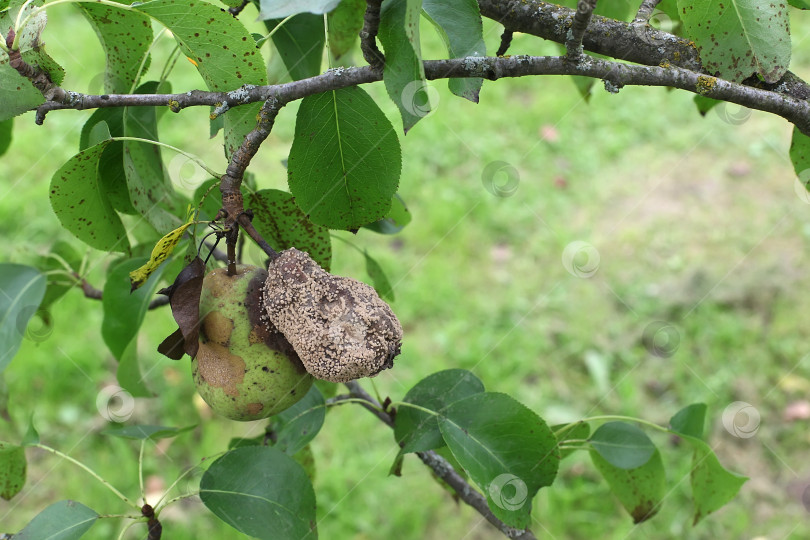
<point x="81" y="204"/>
<point x="739" y="38"/>
<point x="284" y="225"/>
<point x="184" y="297"/>
<point x="223" y="52"/>
<point x="640" y="490"/>
<point x="125" y="37"/>
<point x="17" y="94"/>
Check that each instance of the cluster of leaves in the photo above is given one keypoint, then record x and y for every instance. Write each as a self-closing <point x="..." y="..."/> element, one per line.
<point x="263" y="486"/>
<point x="343" y="174"/>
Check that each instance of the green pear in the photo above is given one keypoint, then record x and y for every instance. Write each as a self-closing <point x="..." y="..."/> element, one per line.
<point x="245" y="368"/>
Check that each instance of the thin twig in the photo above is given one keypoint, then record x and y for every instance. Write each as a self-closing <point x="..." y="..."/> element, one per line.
<point x="97" y="294"/>
<point x="368" y="35"/>
<point x="444" y="470"/>
<point x="506" y="40"/>
<point x="236" y="10"/>
<point x="645" y="11"/>
<point x="582" y="18"/>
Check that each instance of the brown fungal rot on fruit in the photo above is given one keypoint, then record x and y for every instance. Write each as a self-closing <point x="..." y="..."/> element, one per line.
<point x="339" y="327"/>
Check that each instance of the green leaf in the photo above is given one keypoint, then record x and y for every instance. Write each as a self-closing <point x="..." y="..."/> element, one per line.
<point x="506" y="448"/>
<point x="6" y="127"/>
<point x="58" y="284"/>
<point x="140" y="433"/>
<point x="344" y="23"/>
<point x="415" y="430"/>
<point x="739" y="38"/>
<point x="623" y="445"/>
<point x="262" y="492"/>
<point x="123" y="315"/>
<point x="278" y="9"/>
<point x="17" y="94"/>
<point x="345" y="159"/>
<point x="213" y="202"/>
<point x="800" y="155"/>
<point x="580" y="431"/>
<point x="404" y="73"/>
<point x="21" y="291"/>
<point x="125" y="37"/>
<point x="222" y="50"/>
<point x="111" y="172"/>
<point x="81" y="204"/>
<point x="458" y="23"/>
<point x="64" y="520"/>
<point x="299" y="424"/>
<point x="712" y="485"/>
<point x="12" y="469"/>
<point x="395" y="220"/>
<point x="584" y="86"/>
<point x="705" y="104"/>
<point x="690" y="420"/>
<point x="284" y="225"/>
<point x="4" y="414"/>
<point x="640" y="490"/>
<point x="149" y="187"/>
<point x="31" y="436"/>
<point x="378" y="278"/>
<point x="300" y="42"/>
<point x="800" y="4"/>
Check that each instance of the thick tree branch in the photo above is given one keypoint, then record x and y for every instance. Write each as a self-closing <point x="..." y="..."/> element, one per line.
<point x="582" y="16"/>
<point x="618" y="74"/>
<point x="368" y="35"/>
<point x="444" y="470"/>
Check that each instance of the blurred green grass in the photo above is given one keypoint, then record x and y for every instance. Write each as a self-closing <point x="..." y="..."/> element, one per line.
<point x="695" y="221"/>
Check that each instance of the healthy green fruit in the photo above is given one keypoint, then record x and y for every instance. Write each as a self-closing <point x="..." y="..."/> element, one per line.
<point x="245" y="369"/>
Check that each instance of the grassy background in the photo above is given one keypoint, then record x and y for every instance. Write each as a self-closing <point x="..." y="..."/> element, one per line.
<point x="696" y="224"/>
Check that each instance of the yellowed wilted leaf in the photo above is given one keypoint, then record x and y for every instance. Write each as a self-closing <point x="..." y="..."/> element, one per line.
<point x="160" y="253"/>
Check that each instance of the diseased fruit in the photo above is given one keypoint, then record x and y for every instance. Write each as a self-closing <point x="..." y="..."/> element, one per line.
<point x="339" y="327"/>
<point x="244" y="369"/>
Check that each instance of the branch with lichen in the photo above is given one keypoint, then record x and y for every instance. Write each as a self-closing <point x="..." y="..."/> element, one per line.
<point x="582" y="16"/>
<point x="794" y="109"/>
<point x="443" y="469"/>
